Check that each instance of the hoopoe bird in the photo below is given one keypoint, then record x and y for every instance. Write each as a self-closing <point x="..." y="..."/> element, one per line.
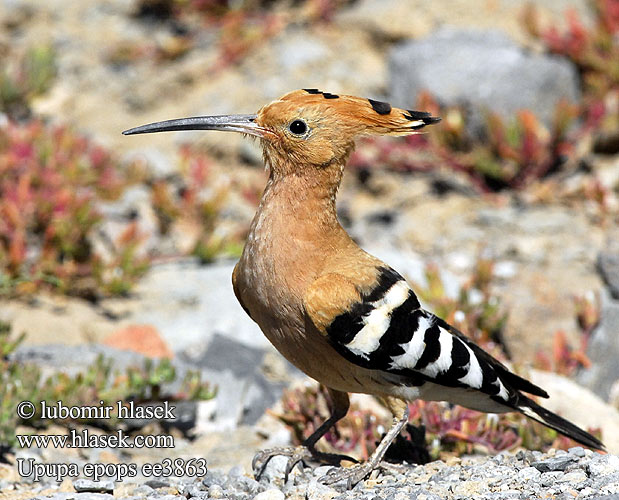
<point x="342" y="316"/>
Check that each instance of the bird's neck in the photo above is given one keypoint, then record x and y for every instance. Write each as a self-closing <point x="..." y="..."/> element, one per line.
<point x="304" y="197"/>
<point x="295" y="229"/>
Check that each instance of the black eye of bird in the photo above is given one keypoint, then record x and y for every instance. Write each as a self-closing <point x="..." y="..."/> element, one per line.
<point x="298" y="127"/>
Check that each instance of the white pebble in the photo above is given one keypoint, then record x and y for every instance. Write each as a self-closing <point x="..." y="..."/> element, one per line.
<point x="272" y="494"/>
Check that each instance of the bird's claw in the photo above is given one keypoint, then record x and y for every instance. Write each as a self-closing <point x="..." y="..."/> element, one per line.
<point x="262" y="458"/>
<point x="298" y="454"/>
<point x="352" y="475"/>
<point x="359" y="472"/>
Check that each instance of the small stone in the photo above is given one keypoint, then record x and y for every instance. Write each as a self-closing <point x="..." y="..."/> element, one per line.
<point x="427" y="496"/>
<point x="577" y="451"/>
<point x="144" y="339"/>
<point x="275" y="469"/>
<point x="245" y="484"/>
<point x="557" y="463"/>
<point x="193" y="491"/>
<point x="143" y="489"/>
<point x="587" y="492"/>
<point x="89" y="486"/>
<point x="157" y="483"/>
<point x="549" y="478"/>
<point x="468" y="489"/>
<point x="529" y="474"/>
<point x="216" y="491"/>
<point x="501" y="76"/>
<point x="270" y="494"/>
<point x="323" y="470"/>
<point x="212" y="478"/>
<point x="575" y="477"/>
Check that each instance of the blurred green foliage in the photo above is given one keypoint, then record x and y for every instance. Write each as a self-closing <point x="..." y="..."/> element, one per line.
<point x="25" y="77"/>
<point x="502" y="156"/>
<point x="50" y="182"/>
<point x="594" y="50"/>
<point x="193" y="202"/>
<point x="99" y="382"/>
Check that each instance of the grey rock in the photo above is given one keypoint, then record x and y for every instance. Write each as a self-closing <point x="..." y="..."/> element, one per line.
<point x="157" y="483"/>
<point x="505" y="495"/>
<point x="216" y="491"/>
<point x="608" y="265"/>
<point x="143" y="489"/>
<point x="189" y="303"/>
<point x="87" y="485"/>
<point x="194" y="491"/>
<point x="499" y="75"/>
<point x="603" y="350"/>
<point x="423" y="494"/>
<point x="225" y="354"/>
<point x="529" y="474"/>
<point x="214" y="477"/>
<point x="577" y="451"/>
<point x="245" y="484"/>
<point x="275" y="469"/>
<point x="73" y="359"/>
<point x="548" y="478"/>
<point x="322" y="470"/>
<point x="270" y="494"/>
<point x="558" y="463"/>
<point x="243" y="391"/>
<point x="574" y="478"/>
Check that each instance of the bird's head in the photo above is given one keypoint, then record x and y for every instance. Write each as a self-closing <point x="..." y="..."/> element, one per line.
<point x="307" y="128"/>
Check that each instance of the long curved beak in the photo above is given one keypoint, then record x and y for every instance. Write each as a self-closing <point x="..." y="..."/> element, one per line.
<point x="245" y="124"/>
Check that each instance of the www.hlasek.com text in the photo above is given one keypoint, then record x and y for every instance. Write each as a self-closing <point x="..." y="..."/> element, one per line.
<point x="87" y="439"/>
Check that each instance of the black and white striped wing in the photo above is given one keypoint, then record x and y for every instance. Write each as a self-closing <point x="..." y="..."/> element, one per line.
<point x="421" y="356"/>
<point x="387" y="330"/>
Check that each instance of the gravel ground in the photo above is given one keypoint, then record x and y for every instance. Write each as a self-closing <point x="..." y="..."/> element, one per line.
<point x="575" y="474"/>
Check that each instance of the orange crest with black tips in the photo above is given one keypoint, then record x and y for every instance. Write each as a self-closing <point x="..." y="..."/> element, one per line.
<point x="315" y="127"/>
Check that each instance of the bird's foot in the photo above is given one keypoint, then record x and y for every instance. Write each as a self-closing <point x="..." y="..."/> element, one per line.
<point x="296" y="455"/>
<point x="352" y="475"/>
<point x="359" y="472"/>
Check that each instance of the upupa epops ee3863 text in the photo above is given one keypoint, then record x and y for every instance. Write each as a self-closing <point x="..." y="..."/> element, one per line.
<point x="342" y="316"/>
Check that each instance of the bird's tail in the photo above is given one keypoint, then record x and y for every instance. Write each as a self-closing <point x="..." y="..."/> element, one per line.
<point x="540" y="414"/>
